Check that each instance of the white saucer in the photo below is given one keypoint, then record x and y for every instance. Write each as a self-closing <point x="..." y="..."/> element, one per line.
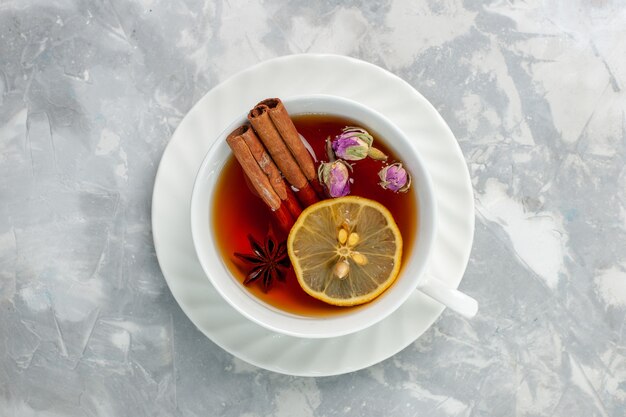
<point x="285" y="77"/>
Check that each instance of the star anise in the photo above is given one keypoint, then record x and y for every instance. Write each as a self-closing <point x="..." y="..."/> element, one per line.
<point x="267" y="262"/>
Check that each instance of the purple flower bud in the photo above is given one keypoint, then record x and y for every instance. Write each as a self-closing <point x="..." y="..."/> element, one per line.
<point x="353" y="144"/>
<point x="395" y="178"/>
<point x="336" y="177"/>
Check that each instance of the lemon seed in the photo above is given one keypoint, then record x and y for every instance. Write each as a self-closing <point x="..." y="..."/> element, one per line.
<point x="359" y="258"/>
<point x="341" y="269"/>
<point x="342" y="236"/>
<point x="353" y="239"/>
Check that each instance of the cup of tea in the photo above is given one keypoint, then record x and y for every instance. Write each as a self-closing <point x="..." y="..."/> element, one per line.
<point x="226" y="214"/>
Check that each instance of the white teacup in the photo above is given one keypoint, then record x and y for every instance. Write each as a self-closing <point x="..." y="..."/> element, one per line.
<point x="412" y="273"/>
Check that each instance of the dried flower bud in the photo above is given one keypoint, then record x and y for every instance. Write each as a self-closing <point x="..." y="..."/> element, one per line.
<point x="395" y="178"/>
<point x="336" y="177"/>
<point x="353" y="144"/>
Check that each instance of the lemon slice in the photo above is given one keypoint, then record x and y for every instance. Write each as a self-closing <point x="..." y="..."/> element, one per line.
<point x="345" y="251"/>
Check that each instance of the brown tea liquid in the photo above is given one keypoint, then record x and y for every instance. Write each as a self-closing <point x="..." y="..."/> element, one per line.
<point x="237" y="212"/>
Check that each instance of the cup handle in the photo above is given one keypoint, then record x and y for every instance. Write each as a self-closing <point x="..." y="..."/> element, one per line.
<point x="449" y="297"/>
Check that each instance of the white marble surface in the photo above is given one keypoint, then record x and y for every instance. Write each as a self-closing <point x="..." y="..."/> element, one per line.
<point x="91" y="91"/>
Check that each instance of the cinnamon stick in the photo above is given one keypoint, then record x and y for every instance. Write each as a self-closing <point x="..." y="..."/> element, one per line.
<point x="292" y="204"/>
<point x="263" y="160"/>
<point x="267" y="165"/>
<point x="257" y="177"/>
<point x="262" y="123"/>
<point x="259" y="180"/>
<point x="288" y="132"/>
<point x="284" y="219"/>
<point x="264" y="127"/>
<point x="307" y="195"/>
